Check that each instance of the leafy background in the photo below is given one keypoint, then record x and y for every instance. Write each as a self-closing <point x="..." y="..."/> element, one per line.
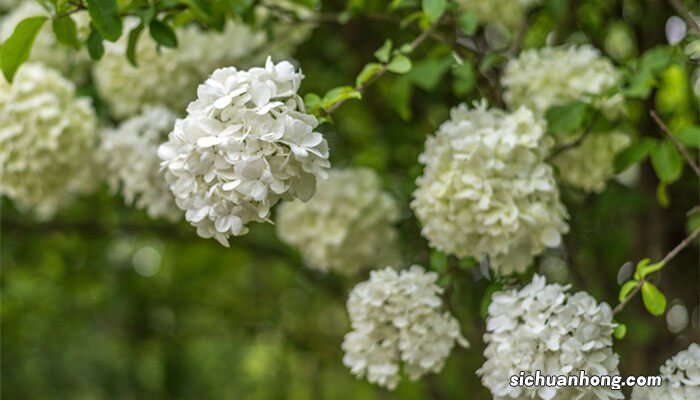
<point x="102" y="302"/>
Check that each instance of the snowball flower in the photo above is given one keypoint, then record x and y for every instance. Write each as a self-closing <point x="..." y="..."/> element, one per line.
<point x="396" y="319"/>
<point x="169" y="77"/>
<point x="590" y="164"/>
<point x="46" y="48"/>
<point x="508" y="15"/>
<point x="129" y="155"/>
<point x="486" y="190"/>
<point x="346" y="226"/>
<point x="680" y="378"/>
<point x="551" y="76"/>
<point x="542" y="327"/>
<point x="46" y="140"/>
<point x="245" y="144"/>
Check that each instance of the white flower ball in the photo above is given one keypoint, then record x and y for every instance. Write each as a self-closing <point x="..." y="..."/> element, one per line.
<point x="169" y="77"/>
<point x="245" y="144"/>
<point x="46" y="141"/>
<point x="551" y="76"/>
<point x="486" y="190"/>
<point x="542" y="327"/>
<point x="590" y="164"/>
<point x="348" y="224"/>
<point x="46" y="48"/>
<point x="680" y="378"/>
<point x="129" y="155"/>
<point x="508" y="15"/>
<point x="396" y="319"/>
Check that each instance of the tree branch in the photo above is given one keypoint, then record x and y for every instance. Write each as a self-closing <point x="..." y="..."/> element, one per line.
<point x="575" y="143"/>
<point x="385" y="66"/>
<point x="675" y="141"/>
<point x="671" y="254"/>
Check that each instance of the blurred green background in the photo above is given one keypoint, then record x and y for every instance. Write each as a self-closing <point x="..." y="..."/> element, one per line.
<point x="103" y="303"/>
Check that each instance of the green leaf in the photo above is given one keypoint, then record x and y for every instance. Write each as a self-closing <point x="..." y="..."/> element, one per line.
<point x="626" y="289"/>
<point x="66" y="31"/>
<point x="15" y="51"/>
<point x="384" y="52"/>
<point x="312" y="102"/>
<point x="568" y="117"/>
<point x="486" y="300"/>
<point x="433" y="9"/>
<point x="662" y="195"/>
<point x="339" y="94"/>
<point x="619" y="331"/>
<point x="667" y="163"/>
<point x="644" y="268"/>
<point x="240" y="7"/>
<point x="131" y="45"/>
<point x="400" y="64"/>
<point x="163" y="33"/>
<point x="633" y="154"/>
<point x="467" y="23"/>
<point x="94" y="45"/>
<point x="656" y="60"/>
<point x="105" y="18"/>
<point x="654" y="300"/>
<point x="464" y="78"/>
<point x="367" y="73"/>
<point x="491" y="60"/>
<point x="428" y="73"/>
<point x="438" y="261"/>
<point x="689" y="136"/>
<point x="199" y="6"/>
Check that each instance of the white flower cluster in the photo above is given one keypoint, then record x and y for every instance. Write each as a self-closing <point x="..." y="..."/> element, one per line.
<point x="129" y="155"/>
<point x="46" y="141"/>
<point x="346" y="226"/>
<point x="45" y="48"/>
<point x="396" y="318"/>
<point x="506" y="14"/>
<point x="245" y="144"/>
<point x="169" y="77"/>
<point x="542" y="327"/>
<point x="590" y="164"/>
<point x="486" y="190"/>
<point x="542" y="78"/>
<point x="680" y="375"/>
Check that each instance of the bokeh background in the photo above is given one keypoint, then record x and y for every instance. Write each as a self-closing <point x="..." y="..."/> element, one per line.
<point x="104" y="303"/>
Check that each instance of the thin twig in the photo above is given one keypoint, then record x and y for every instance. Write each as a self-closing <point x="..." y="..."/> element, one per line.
<point x="385" y="66"/>
<point x="576" y="142"/>
<point x="673" y="253"/>
<point x="685" y="14"/>
<point x="675" y="141"/>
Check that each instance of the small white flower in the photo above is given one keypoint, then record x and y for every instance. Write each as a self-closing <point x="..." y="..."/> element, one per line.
<point x="486" y="190"/>
<point x="245" y="144"/>
<point x="542" y="327"/>
<point x="129" y="155"/>
<point x="680" y="378"/>
<point x="46" y="141"/>
<point x="397" y="320"/>
<point x="346" y="226"/>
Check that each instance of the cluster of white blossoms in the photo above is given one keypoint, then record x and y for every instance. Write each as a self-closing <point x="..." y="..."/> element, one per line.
<point x="542" y="327"/>
<point x="46" y="141"/>
<point x="129" y="155"/>
<point x="46" y="49"/>
<point x="346" y="226"/>
<point x="506" y="14"/>
<point x="169" y="77"/>
<point x="542" y="78"/>
<point x="245" y="144"/>
<point x="590" y="164"/>
<point x="680" y="375"/>
<point x="396" y="319"/>
<point x="486" y="190"/>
